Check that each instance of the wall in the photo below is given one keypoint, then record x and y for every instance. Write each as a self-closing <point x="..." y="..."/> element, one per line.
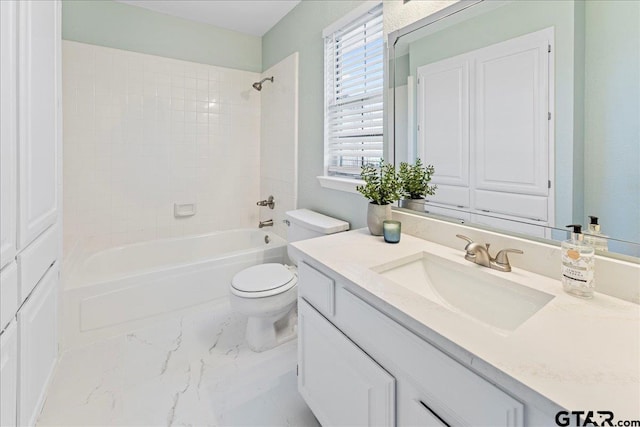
<point x="612" y="116"/>
<point x="398" y="14"/>
<point x="142" y="132"/>
<point x="122" y="26"/>
<point x="301" y="31"/>
<point x="279" y="141"/>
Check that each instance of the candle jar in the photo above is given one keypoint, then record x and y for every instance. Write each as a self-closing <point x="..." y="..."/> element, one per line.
<point x="391" y="231"/>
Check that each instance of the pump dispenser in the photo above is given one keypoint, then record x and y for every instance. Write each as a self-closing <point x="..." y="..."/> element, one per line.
<point x="578" y="261"/>
<point x="594" y="237"/>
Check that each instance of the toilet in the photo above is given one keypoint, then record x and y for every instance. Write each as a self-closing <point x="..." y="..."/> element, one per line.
<point x="267" y="293"/>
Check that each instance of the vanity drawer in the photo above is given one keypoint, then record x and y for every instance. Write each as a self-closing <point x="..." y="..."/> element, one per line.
<point x="471" y="401"/>
<point x="317" y="288"/>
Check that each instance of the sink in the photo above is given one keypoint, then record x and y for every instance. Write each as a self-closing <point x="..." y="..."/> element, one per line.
<point x="466" y="289"/>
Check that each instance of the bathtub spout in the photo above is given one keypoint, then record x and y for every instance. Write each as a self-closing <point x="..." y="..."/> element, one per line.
<point x="267" y="223"/>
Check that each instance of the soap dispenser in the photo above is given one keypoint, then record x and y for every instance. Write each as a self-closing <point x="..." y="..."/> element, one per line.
<point x="594" y="237"/>
<point x="578" y="261"/>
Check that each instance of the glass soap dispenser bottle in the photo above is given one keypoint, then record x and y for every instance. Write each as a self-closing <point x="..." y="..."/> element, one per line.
<point x="578" y="261"/>
<point x="594" y="236"/>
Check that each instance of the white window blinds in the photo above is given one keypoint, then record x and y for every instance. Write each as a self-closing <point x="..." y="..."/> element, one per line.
<point x="353" y="95"/>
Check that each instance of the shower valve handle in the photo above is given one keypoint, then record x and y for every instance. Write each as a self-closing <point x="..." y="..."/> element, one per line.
<point x="270" y="202"/>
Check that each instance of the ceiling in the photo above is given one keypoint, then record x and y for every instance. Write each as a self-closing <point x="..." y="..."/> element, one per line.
<point x="254" y="17"/>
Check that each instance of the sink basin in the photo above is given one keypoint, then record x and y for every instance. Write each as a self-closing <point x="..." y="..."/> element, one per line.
<point x="467" y="289"/>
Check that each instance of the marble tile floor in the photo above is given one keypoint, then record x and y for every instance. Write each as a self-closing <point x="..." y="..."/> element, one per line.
<point x="193" y="370"/>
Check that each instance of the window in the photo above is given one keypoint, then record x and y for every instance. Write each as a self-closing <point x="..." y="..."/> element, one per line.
<point x="354" y="64"/>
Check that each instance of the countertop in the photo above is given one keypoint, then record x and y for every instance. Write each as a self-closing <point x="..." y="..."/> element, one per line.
<point x="579" y="354"/>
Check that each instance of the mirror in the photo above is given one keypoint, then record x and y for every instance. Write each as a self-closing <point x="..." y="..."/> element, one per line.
<point x="529" y="111"/>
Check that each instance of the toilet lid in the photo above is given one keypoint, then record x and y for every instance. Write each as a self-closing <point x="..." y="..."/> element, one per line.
<point x="262" y="277"/>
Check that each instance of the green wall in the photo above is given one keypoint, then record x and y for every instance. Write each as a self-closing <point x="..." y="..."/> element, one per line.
<point x="301" y="31"/>
<point x="513" y="20"/>
<point x="122" y="26"/>
<point x="612" y="116"/>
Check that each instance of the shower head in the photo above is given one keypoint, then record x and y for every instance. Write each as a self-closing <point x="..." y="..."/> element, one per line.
<point x="258" y="85"/>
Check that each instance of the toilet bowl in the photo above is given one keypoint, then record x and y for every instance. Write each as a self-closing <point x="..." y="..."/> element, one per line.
<point x="267" y="293"/>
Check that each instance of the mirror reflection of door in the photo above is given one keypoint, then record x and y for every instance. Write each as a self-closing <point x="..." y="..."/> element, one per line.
<point x="484" y="122"/>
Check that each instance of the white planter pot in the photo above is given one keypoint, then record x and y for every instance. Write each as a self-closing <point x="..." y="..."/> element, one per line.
<point x="375" y="215"/>
<point x="413" y="204"/>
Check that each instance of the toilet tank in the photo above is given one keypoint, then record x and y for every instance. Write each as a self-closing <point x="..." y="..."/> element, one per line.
<point x="306" y="224"/>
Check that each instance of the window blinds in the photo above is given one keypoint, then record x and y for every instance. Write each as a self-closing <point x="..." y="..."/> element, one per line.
<point x="353" y="95"/>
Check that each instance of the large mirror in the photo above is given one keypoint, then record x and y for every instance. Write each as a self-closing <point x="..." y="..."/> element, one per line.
<point x="529" y="111"/>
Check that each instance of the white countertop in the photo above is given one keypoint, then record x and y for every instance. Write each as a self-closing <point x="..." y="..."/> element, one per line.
<point x="579" y="354"/>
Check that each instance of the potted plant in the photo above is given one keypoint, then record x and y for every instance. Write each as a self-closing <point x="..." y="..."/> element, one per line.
<point x="415" y="184"/>
<point x="382" y="188"/>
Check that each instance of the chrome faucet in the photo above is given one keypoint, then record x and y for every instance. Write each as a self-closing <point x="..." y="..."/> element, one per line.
<point x="270" y="202"/>
<point x="267" y="223"/>
<point x="480" y="255"/>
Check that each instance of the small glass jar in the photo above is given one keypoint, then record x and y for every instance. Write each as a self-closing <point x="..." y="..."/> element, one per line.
<point x="391" y="231"/>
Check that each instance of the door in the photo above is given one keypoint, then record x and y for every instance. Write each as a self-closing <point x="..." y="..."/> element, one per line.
<point x="341" y="384"/>
<point x="443" y="127"/>
<point x="511" y="121"/>
<point x="37" y="325"/>
<point x="8" y="375"/>
<point x="8" y="135"/>
<point x="39" y="111"/>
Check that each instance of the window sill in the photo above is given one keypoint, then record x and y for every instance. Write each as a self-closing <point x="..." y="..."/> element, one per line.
<point x="341" y="184"/>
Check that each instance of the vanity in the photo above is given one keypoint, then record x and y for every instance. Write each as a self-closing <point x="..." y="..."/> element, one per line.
<point x="413" y="334"/>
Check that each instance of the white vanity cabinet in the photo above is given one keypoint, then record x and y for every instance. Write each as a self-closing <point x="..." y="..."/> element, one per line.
<point x="341" y="383"/>
<point x="431" y="388"/>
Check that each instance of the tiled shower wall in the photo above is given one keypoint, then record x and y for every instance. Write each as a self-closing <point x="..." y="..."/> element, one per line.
<point x="143" y="132"/>
<point x="279" y="141"/>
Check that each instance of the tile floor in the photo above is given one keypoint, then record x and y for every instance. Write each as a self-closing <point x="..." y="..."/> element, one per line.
<point x="194" y="370"/>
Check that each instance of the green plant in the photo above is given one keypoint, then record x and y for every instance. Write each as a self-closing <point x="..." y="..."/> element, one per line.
<point x="382" y="185"/>
<point x="415" y="180"/>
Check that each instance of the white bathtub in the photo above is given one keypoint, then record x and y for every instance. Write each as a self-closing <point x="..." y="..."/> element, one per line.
<point x="112" y="291"/>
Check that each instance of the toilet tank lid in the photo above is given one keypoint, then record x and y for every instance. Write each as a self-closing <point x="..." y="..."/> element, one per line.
<point x="316" y="221"/>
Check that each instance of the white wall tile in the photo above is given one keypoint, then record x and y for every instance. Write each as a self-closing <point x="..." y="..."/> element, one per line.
<point x="142" y="132"/>
<point x="279" y="140"/>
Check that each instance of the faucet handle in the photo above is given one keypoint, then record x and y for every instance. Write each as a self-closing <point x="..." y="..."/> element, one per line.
<point x="460" y="236"/>
<point x="501" y="257"/>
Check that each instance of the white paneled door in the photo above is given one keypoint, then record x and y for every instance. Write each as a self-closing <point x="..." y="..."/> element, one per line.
<point x="511" y="115"/>
<point x="39" y="69"/>
<point x="8" y="134"/>
<point x="484" y="123"/>
<point x="443" y="127"/>
<point x="37" y="324"/>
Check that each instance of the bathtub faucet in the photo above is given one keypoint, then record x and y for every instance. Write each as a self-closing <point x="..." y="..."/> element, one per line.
<point x="267" y="223"/>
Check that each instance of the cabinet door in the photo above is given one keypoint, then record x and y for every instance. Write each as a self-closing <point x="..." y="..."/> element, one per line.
<point x="37" y="321"/>
<point x="8" y="141"/>
<point x="8" y="376"/>
<point x="341" y="384"/>
<point x="511" y="115"/>
<point x="8" y="294"/>
<point x="39" y="53"/>
<point x="443" y="127"/>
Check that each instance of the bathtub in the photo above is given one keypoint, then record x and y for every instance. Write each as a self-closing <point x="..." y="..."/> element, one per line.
<point x="107" y="292"/>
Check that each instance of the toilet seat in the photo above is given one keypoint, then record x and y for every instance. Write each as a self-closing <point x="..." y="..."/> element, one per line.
<point x="263" y="280"/>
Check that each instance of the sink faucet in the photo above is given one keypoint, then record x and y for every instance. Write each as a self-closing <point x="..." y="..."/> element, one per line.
<point x="480" y="255"/>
